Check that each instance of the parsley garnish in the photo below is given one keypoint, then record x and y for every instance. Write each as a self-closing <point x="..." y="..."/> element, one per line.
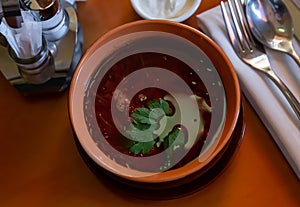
<point x="145" y="121"/>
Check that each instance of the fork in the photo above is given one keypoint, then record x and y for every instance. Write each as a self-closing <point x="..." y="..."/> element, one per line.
<point x="249" y="51"/>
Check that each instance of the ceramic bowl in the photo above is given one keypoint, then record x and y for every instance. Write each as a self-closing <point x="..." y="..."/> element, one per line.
<point x="177" y="11"/>
<point x="131" y="66"/>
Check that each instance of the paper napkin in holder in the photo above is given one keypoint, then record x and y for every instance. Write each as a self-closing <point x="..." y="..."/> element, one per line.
<point x="26" y="41"/>
<point x="267" y="100"/>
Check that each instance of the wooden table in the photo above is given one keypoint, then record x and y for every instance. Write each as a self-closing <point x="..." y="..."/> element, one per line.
<point x="40" y="165"/>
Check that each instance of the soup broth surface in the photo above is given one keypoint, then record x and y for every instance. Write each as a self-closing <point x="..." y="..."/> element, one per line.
<point x="167" y="70"/>
<point x="106" y="101"/>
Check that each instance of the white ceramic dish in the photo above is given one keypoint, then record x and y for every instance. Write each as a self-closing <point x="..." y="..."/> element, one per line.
<point x="173" y="10"/>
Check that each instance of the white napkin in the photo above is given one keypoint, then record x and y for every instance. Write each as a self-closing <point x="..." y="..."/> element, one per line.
<point x="263" y="95"/>
<point x="297" y="3"/>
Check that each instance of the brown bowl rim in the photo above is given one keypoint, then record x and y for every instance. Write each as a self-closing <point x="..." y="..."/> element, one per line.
<point x="151" y="25"/>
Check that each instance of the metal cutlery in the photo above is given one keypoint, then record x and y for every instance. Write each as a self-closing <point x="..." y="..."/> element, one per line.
<point x="272" y="25"/>
<point x="249" y="51"/>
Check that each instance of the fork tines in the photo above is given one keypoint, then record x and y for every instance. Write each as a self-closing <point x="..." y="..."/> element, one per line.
<point x="238" y="27"/>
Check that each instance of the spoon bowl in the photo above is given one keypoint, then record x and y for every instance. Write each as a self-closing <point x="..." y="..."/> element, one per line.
<point x="271" y="24"/>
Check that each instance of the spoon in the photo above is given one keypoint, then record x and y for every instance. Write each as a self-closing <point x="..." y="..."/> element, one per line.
<point x="271" y="24"/>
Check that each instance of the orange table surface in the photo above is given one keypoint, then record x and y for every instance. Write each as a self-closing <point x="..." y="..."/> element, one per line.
<point x="40" y="164"/>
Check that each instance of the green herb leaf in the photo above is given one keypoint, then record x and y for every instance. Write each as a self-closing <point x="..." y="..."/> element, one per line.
<point x="140" y="126"/>
<point x="153" y="104"/>
<point x="145" y="122"/>
<point x="142" y="147"/>
<point x="141" y="115"/>
<point x="175" y="138"/>
<point x="141" y="135"/>
<point x="165" y="106"/>
<point x="155" y="115"/>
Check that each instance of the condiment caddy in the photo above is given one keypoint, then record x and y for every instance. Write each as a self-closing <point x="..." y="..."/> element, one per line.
<point x="37" y="60"/>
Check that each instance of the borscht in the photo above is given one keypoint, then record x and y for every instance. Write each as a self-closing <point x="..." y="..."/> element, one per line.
<point x="152" y="120"/>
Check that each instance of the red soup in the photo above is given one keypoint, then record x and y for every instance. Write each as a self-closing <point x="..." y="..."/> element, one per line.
<point x="130" y="114"/>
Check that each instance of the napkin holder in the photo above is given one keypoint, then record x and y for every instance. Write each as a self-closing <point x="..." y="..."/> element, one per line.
<point x="52" y="68"/>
